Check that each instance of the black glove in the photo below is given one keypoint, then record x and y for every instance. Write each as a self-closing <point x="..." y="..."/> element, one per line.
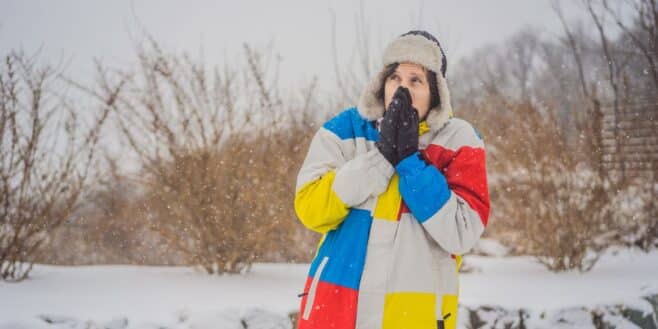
<point x="388" y="131"/>
<point x="407" y="140"/>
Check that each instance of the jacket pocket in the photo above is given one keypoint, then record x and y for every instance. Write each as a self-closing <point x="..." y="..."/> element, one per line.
<point x="310" y="299"/>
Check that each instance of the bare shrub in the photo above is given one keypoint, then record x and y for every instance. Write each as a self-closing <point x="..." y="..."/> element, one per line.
<point x="42" y="177"/>
<point x="216" y="150"/>
<point x="227" y="209"/>
<point x="553" y="195"/>
<point x="110" y="228"/>
<point x="549" y="202"/>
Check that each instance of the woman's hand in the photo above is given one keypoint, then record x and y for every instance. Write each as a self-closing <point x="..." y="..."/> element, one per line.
<point x="390" y="125"/>
<point x="388" y="131"/>
<point x="398" y="135"/>
<point x="407" y="137"/>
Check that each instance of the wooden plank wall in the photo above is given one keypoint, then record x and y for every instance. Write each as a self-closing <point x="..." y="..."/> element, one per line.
<point x="634" y="153"/>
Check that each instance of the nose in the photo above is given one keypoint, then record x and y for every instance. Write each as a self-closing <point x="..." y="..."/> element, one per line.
<point x="406" y="86"/>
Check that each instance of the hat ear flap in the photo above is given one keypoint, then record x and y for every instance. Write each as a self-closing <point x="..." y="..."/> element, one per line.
<point x="370" y="107"/>
<point x="439" y="115"/>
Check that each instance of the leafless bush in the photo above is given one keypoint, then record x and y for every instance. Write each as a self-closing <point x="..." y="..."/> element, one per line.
<point x="216" y="150"/>
<point x="42" y="178"/>
<point x="549" y="202"/>
<point x="110" y="228"/>
<point x="227" y="209"/>
<point x="547" y="129"/>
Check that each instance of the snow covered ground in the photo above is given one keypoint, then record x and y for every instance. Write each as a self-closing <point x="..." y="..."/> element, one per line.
<point x="118" y="296"/>
<point x="515" y="282"/>
<point x="149" y="295"/>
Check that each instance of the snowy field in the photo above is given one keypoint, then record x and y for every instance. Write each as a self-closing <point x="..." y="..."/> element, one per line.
<point x="118" y="296"/>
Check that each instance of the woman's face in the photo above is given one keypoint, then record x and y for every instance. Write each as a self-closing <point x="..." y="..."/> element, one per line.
<point x="413" y="77"/>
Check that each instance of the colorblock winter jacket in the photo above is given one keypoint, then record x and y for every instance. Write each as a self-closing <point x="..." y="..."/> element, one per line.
<point x="393" y="237"/>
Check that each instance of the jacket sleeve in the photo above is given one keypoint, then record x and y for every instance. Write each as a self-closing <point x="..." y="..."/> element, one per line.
<point x="449" y="195"/>
<point x="330" y="181"/>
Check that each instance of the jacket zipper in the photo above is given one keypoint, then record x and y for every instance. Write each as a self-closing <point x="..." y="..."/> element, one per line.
<point x="440" y="324"/>
<point x="312" y="290"/>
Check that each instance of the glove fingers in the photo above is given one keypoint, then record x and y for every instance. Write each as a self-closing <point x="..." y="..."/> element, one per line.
<point x="408" y="132"/>
<point x="413" y="116"/>
<point x="403" y="96"/>
<point x="409" y="118"/>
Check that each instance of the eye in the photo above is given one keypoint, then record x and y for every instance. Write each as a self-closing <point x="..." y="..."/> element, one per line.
<point x="416" y="80"/>
<point x="394" y="76"/>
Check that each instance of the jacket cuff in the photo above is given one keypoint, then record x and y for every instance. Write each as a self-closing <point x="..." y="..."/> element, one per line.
<point x="410" y="165"/>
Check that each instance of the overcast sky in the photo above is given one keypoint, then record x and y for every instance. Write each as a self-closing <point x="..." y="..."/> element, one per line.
<point x="76" y="31"/>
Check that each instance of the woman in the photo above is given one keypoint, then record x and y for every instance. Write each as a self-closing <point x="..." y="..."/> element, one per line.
<point x="399" y="193"/>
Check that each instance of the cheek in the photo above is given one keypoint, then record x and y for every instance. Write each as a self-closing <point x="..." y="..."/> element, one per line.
<point x="421" y="100"/>
<point x="421" y="97"/>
